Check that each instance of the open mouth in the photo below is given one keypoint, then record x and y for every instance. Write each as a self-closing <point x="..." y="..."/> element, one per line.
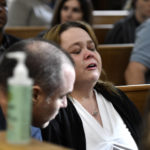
<point x="91" y="66"/>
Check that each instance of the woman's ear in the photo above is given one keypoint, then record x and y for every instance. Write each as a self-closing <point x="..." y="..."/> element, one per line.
<point x="37" y="94"/>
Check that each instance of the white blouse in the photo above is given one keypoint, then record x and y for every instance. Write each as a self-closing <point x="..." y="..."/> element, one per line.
<point x="114" y="131"/>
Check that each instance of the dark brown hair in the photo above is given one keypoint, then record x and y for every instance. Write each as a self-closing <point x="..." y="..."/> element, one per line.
<point x="86" y="8"/>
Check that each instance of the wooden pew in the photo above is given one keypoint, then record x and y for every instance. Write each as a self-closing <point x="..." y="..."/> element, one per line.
<point x="101" y="32"/>
<point x="115" y="58"/>
<point x="25" y="32"/>
<point x="109" y="16"/>
<point x="137" y="94"/>
<point x="33" y="145"/>
<point x="28" y="32"/>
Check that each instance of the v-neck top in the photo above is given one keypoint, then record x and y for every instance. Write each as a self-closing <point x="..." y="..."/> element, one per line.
<point x="113" y="131"/>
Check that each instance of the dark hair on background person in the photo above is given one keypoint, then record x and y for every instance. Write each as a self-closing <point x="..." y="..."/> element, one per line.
<point x="133" y="4"/>
<point x="48" y="78"/>
<point x="86" y="8"/>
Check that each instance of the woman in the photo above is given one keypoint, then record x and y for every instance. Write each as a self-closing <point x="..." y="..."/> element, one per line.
<point x="98" y="116"/>
<point x="29" y="13"/>
<point x="72" y="10"/>
<point x="125" y="29"/>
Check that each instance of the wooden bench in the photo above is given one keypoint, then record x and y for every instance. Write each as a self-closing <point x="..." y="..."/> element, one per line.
<point x="28" y="32"/>
<point x="33" y="145"/>
<point x="137" y="94"/>
<point x="101" y="32"/>
<point x="115" y="58"/>
<point x="108" y="16"/>
<point x="25" y="32"/>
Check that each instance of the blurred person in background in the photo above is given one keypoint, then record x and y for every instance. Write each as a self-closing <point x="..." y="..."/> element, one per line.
<point x="6" y="40"/>
<point x="30" y="13"/>
<point x="124" y="30"/>
<point x="72" y="10"/>
<point x="138" y="69"/>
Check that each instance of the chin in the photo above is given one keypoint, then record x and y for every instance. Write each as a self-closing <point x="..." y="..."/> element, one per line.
<point x="53" y="116"/>
<point x="95" y="76"/>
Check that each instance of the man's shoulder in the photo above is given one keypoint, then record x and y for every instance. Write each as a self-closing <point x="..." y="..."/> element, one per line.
<point x="36" y="133"/>
<point x="9" y="40"/>
<point x="2" y="121"/>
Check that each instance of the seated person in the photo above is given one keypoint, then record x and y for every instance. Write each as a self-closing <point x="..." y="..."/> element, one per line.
<point x="71" y="10"/>
<point x="6" y="40"/>
<point x="124" y="30"/>
<point x="29" y="13"/>
<point x="138" y="69"/>
<point x="53" y="72"/>
<point x="98" y="115"/>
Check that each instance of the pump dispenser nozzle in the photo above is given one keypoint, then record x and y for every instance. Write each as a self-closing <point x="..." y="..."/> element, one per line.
<point x="20" y="70"/>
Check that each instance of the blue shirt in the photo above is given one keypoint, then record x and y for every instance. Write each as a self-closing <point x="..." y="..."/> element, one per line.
<point x="35" y="132"/>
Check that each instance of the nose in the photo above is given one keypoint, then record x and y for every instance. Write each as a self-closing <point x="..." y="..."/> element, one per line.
<point x="69" y="14"/>
<point x="88" y="54"/>
<point x="64" y="102"/>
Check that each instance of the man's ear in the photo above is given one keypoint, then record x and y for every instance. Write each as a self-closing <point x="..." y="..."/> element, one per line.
<point x="3" y="101"/>
<point x="37" y="94"/>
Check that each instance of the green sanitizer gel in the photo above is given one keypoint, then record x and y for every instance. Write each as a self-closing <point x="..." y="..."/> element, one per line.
<point x="19" y="102"/>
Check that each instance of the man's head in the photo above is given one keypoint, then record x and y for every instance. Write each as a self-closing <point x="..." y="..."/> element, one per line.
<point x="52" y="71"/>
<point x="3" y="14"/>
<point x="142" y="9"/>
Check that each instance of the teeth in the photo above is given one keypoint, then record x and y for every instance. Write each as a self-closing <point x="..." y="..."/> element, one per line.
<point x="92" y="65"/>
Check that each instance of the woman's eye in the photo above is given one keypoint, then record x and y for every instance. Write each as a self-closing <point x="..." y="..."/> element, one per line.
<point x="77" y="10"/>
<point x="76" y="52"/>
<point x="92" y="47"/>
<point x="75" y="49"/>
<point x="65" y="8"/>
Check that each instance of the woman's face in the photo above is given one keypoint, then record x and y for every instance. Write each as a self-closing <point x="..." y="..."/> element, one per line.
<point x="3" y="13"/>
<point x="82" y="49"/>
<point x="71" y="11"/>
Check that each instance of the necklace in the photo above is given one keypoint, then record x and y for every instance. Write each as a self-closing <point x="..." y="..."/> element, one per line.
<point x="95" y="113"/>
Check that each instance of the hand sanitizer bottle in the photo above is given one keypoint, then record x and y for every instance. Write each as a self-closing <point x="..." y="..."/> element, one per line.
<point x="19" y="102"/>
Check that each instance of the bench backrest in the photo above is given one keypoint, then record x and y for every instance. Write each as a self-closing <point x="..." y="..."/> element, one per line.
<point x="108" y="16"/>
<point x="25" y="32"/>
<point x="115" y="58"/>
<point x="101" y="32"/>
<point x="28" y="32"/>
<point x="137" y="94"/>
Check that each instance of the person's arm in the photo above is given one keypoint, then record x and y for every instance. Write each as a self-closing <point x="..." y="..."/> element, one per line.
<point x="135" y="73"/>
<point x="140" y="57"/>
